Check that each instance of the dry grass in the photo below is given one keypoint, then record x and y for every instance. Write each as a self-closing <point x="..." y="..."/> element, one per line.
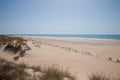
<point x="12" y="71"/>
<point x="54" y="73"/>
<point x="96" y="76"/>
<point x="36" y="68"/>
<point x="14" y="44"/>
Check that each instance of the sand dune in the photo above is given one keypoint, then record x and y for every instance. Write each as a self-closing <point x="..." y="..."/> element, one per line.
<point x="81" y="57"/>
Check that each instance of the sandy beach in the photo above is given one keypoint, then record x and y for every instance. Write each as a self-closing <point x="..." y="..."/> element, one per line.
<point x="80" y="57"/>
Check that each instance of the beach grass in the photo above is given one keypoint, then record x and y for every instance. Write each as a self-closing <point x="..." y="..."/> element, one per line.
<point x="53" y="73"/>
<point x="97" y="76"/>
<point x="14" y="44"/>
<point x="12" y="71"/>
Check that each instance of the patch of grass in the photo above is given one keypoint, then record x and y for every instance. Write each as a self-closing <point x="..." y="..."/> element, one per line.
<point x="14" y="44"/>
<point x="101" y="77"/>
<point x="12" y="71"/>
<point x="36" y="68"/>
<point x="68" y="75"/>
<point x="98" y="77"/>
<point x="54" y="73"/>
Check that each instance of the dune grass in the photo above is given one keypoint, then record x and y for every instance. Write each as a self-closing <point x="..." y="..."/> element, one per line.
<point x="96" y="76"/>
<point x="12" y="71"/>
<point x="14" y="44"/>
<point x="53" y="73"/>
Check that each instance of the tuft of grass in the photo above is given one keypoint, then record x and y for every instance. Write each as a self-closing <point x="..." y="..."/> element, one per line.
<point x="68" y="75"/>
<point x="101" y="77"/>
<point x="54" y="73"/>
<point x="98" y="77"/>
<point x="14" y="44"/>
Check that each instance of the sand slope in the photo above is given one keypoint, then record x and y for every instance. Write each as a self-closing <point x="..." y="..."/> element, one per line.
<point x="81" y="57"/>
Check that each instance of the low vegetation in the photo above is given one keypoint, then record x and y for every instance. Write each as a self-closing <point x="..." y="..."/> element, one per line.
<point x="14" y="44"/>
<point x="96" y="76"/>
<point x="56" y="74"/>
<point x="12" y="71"/>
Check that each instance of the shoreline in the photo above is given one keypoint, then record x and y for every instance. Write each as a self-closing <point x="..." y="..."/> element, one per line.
<point x="102" y="37"/>
<point x="71" y="38"/>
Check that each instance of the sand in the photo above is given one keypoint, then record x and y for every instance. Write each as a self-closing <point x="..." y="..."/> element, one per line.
<point x="80" y="57"/>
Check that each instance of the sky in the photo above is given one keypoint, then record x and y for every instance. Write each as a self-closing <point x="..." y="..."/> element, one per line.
<point x="60" y="16"/>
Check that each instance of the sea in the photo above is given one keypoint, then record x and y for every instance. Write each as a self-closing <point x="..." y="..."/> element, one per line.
<point x="74" y="36"/>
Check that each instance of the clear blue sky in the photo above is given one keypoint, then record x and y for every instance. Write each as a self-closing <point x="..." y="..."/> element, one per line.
<point x="60" y="16"/>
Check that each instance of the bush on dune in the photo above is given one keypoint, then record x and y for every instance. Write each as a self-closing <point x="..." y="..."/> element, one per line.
<point x="14" y="44"/>
<point x="96" y="76"/>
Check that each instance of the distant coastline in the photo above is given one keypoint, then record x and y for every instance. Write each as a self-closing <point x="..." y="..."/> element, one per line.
<point x="73" y="36"/>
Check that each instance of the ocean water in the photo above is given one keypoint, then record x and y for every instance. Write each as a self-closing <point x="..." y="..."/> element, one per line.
<point x="79" y="36"/>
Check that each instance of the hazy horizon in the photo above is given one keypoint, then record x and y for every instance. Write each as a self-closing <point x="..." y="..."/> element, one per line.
<point x="60" y="17"/>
